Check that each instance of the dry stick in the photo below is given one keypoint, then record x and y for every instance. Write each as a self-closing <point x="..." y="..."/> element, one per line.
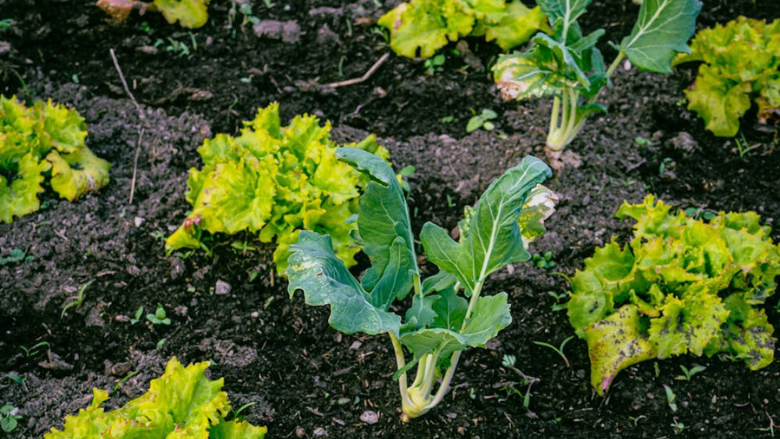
<point x="365" y="77"/>
<point x="141" y="116"/>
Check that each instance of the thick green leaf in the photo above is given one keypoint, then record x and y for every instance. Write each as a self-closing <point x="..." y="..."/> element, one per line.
<point x="325" y="280"/>
<point x="660" y="33"/>
<point x="490" y="316"/>
<point x="450" y="310"/>
<point x="384" y="227"/>
<point x="494" y="238"/>
<point x="422" y="312"/>
<point x="563" y="14"/>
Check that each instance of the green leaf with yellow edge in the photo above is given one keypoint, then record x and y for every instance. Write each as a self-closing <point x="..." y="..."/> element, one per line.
<point x="614" y="344"/>
<point x="191" y="14"/>
<point x="539" y="206"/>
<point x="181" y="404"/>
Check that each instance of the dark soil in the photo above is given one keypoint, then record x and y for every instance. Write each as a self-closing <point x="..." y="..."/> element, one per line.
<point x="305" y="378"/>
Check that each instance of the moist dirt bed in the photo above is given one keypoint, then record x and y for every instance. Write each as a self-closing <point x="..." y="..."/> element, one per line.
<point x="304" y="378"/>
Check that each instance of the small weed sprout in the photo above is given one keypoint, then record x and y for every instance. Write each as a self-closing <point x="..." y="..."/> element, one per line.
<point x="33" y="351"/>
<point x="689" y="373"/>
<point x="670" y="398"/>
<point x="558" y="350"/>
<point x="543" y="261"/>
<point x="508" y="361"/>
<point x="159" y="317"/>
<point x="138" y="314"/>
<point x="678" y="426"/>
<point x="435" y="64"/>
<point x="9" y="418"/>
<point x="481" y="120"/>
<point x="77" y="301"/>
<point x="561" y="300"/>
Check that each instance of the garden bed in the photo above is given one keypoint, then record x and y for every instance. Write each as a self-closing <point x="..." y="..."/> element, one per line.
<point x="306" y="379"/>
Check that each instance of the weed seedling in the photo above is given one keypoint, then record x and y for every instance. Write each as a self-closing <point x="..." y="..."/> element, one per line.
<point x="5" y="24"/>
<point x="558" y="350"/>
<point x="33" y="351"/>
<point x="404" y="173"/>
<point x="16" y="255"/>
<point x="138" y="314"/>
<point x="543" y="261"/>
<point x="159" y="317"/>
<point x="689" y="373"/>
<point x="482" y="120"/>
<point x="9" y="419"/>
<point x="237" y="414"/>
<point x="678" y="426"/>
<point x="743" y="147"/>
<point x="77" y="301"/>
<point x="124" y="380"/>
<point x="670" y="397"/>
<point x="435" y="64"/>
<point x="509" y="361"/>
<point x="560" y="305"/>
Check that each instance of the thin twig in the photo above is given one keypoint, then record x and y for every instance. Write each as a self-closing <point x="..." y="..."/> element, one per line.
<point x="363" y="78"/>
<point x="142" y="118"/>
<point x="135" y="164"/>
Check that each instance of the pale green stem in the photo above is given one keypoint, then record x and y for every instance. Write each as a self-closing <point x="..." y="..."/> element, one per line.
<point x="615" y="63"/>
<point x="400" y="362"/>
<point x="555" y="113"/>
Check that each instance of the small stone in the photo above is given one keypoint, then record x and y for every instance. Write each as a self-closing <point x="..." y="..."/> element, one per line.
<point x="369" y="417"/>
<point x="356" y="345"/>
<point x="300" y="432"/>
<point x="320" y="432"/>
<point x="254" y="314"/>
<point x="222" y="288"/>
<point x="138" y="221"/>
<point x="148" y="50"/>
<point x="327" y="36"/>
<point x="122" y="319"/>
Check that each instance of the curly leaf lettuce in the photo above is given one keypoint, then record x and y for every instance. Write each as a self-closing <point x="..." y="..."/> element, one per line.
<point x="740" y="65"/>
<point x="421" y="27"/>
<point x="190" y="14"/>
<point x="45" y="140"/>
<point x="274" y="181"/>
<point x="680" y="286"/>
<point x="181" y="404"/>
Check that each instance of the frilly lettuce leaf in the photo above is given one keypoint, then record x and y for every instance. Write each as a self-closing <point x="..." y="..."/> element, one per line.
<point x="181" y="404"/>
<point x="615" y="343"/>
<point x="664" y="290"/>
<point x="191" y="14"/>
<point x="719" y="101"/>
<point x="40" y="141"/>
<point x="425" y="26"/>
<point x="274" y="181"/>
<point x="740" y="64"/>
<point x="77" y="173"/>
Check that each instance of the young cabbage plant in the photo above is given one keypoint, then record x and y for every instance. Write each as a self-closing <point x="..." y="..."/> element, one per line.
<point x="567" y="64"/>
<point x="449" y="312"/>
